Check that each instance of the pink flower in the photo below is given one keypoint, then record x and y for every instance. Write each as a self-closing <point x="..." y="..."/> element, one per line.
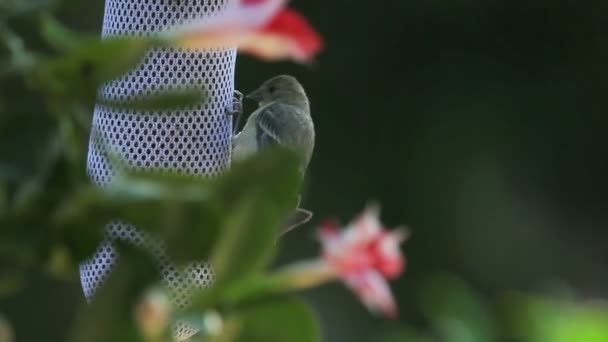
<point x="263" y="28"/>
<point x="365" y="255"/>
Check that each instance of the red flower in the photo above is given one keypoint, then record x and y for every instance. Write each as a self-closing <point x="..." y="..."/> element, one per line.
<point x="364" y="254"/>
<point x="263" y="28"/>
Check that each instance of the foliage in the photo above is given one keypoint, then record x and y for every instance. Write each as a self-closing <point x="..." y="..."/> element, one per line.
<point x="51" y="218"/>
<point x="457" y="313"/>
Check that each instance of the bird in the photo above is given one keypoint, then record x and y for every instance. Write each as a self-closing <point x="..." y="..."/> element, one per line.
<point x="282" y="118"/>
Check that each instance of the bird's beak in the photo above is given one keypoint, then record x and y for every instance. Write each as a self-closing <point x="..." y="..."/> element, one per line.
<point x="255" y="96"/>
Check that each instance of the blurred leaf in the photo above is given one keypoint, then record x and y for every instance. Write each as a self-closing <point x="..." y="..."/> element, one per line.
<point x="403" y="335"/>
<point x="82" y="239"/>
<point x="10" y="282"/>
<point x="14" y="248"/>
<point x="58" y="36"/>
<point x="252" y="288"/>
<point x="31" y="190"/>
<point x="232" y="220"/>
<point x="110" y="316"/>
<point x="191" y="231"/>
<point x="26" y="133"/>
<point x="457" y="313"/>
<point x="272" y="174"/>
<point x="293" y="277"/>
<point x="60" y="263"/>
<point x="160" y="101"/>
<point x="77" y="74"/>
<point x="20" y="58"/>
<point x="239" y="253"/>
<point x="249" y="233"/>
<point x="3" y="198"/>
<point x="277" y="320"/>
<point x="176" y="211"/>
<point x="17" y="7"/>
<point x="242" y="208"/>
<point x="544" y="319"/>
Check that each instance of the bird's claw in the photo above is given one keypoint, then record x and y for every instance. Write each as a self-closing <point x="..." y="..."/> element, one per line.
<point x="236" y="109"/>
<point x="237" y="103"/>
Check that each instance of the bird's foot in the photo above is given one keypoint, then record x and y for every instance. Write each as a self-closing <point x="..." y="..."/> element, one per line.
<point x="236" y="110"/>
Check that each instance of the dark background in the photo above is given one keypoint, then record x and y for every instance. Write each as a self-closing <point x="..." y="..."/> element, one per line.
<point x="478" y="124"/>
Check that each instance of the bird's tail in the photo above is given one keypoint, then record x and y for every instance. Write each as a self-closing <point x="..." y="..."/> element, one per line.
<point x="297" y="218"/>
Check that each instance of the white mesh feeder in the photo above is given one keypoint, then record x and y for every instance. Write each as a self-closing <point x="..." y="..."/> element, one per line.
<point x="193" y="141"/>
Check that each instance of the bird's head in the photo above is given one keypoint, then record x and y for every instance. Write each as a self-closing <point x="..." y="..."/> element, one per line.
<point x="279" y="88"/>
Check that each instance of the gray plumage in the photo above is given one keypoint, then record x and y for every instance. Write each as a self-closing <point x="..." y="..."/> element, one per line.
<point x="283" y="117"/>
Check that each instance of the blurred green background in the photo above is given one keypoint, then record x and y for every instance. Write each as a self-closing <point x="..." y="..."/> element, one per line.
<point x="478" y="124"/>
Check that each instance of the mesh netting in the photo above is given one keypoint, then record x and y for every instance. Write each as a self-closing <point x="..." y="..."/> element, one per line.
<point x="193" y="141"/>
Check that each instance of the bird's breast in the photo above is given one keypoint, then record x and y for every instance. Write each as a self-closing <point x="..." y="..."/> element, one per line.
<point x="245" y="144"/>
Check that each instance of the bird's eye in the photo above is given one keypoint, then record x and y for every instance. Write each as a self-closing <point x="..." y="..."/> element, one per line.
<point x="272" y="89"/>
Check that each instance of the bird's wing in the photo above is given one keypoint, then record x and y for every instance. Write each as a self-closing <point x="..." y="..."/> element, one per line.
<point x="279" y="123"/>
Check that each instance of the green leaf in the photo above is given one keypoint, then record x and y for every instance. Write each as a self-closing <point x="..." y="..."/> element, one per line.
<point x="272" y="174"/>
<point x="239" y="253"/>
<point x="232" y="221"/>
<point x="58" y="36"/>
<point x="160" y="101"/>
<point x="11" y="281"/>
<point x="178" y="211"/>
<point x="193" y="232"/>
<point x="457" y="313"/>
<point x="110" y="315"/>
<point x="76" y="74"/>
<point x="18" y="7"/>
<point x="3" y="199"/>
<point x="82" y="240"/>
<point x="20" y="58"/>
<point x="545" y="319"/>
<point x="294" y="277"/>
<point x="277" y="320"/>
<point x="404" y="334"/>
<point x="257" y="203"/>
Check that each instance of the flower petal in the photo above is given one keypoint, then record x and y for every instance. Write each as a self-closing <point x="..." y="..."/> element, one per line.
<point x="301" y="41"/>
<point x="388" y="257"/>
<point x="228" y="27"/>
<point x="365" y="255"/>
<point x="328" y="229"/>
<point x="255" y="13"/>
<point x="368" y="226"/>
<point x="373" y="290"/>
<point x="259" y="27"/>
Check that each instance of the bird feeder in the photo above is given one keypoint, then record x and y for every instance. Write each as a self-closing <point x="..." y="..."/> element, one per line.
<point x="193" y="141"/>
